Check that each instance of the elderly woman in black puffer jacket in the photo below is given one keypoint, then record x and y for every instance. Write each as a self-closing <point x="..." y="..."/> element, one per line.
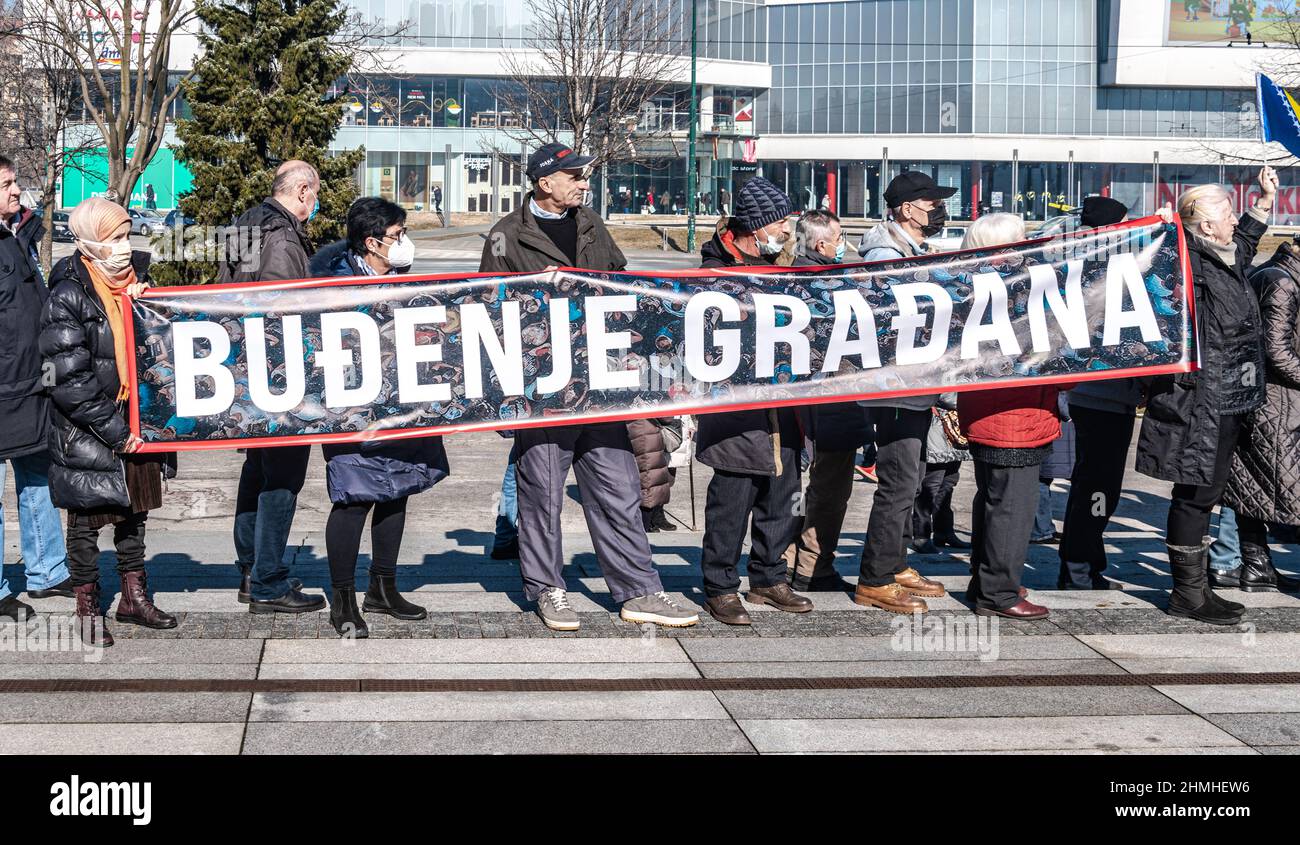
<point x="1193" y="420"/>
<point x="1264" y="485"/>
<point x="95" y="472"/>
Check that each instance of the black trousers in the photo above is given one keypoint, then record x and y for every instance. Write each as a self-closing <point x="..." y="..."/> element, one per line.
<point x="900" y="452"/>
<point x="343" y="532"/>
<point x="83" y="548"/>
<point x="932" y="512"/>
<point x="769" y="507"/>
<point x="1002" y="518"/>
<point x="1101" y="453"/>
<point x="1190" y="504"/>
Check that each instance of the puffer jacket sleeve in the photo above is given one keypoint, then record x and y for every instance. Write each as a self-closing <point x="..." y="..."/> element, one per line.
<point x="283" y="258"/>
<point x="1247" y="237"/>
<point x="1280" y="303"/>
<point x="77" y="392"/>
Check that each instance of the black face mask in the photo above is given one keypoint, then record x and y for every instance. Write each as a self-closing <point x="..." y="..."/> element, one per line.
<point x="935" y="218"/>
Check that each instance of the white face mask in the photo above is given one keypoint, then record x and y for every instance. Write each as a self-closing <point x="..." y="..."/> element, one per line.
<point x="770" y="247"/>
<point x="119" y="255"/>
<point x="401" y="254"/>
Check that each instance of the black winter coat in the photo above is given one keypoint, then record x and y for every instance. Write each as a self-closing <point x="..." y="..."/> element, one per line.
<point x="24" y="405"/>
<point x="1180" y="431"/>
<point x="1265" y="477"/>
<point x="281" y="255"/>
<point x="89" y="423"/>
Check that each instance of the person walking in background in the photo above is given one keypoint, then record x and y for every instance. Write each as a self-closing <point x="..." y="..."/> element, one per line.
<point x="1264" y="481"/>
<point x="272" y="477"/>
<point x="754" y="454"/>
<point x="25" y="406"/>
<point x="96" y="473"/>
<point x="1103" y="413"/>
<point x="1193" y="420"/>
<point x="372" y="477"/>
<point x="1059" y="463"/>
<point x="552" y="228"/>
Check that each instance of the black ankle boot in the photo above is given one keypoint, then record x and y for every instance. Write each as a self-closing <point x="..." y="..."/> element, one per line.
<point x="345" y="617"/>
<point x="660" y="520"/>
<point x="648" y="520"/>
<point x="1259" y="575"/>
<point x="1192" y="597"/>
<point x="382" y="597"/>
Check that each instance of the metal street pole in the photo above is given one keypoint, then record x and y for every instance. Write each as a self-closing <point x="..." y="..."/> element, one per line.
<point x="690" y="156"/>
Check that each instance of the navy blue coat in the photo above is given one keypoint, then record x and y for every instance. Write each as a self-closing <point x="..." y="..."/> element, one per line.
<point x="378" y="470"/>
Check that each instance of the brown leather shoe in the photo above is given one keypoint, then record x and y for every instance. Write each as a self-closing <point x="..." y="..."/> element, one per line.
<point x="781" y="597"/>
<point x="90" y="619"/>
<point x="909" y="579"/>
<point x="728" y="610"/>
<point x="891" y="597"/>
<point x="1023" y="609"/>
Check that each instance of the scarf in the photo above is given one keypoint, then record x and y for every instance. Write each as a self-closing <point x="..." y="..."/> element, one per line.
<point x="97" y="219"/>
<point x="1227" y="253"/>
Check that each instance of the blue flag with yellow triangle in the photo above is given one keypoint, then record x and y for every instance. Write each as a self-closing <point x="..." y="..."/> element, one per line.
<point x="1279" y="114"/>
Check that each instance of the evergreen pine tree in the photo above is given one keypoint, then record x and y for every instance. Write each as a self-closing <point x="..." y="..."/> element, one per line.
<point x="260" y="95"/>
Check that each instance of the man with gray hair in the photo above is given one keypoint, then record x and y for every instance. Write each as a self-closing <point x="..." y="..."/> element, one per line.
<point x="272" y="477"/>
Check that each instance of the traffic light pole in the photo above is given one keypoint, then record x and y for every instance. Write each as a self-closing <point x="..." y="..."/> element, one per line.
<point x="691" y="203"/>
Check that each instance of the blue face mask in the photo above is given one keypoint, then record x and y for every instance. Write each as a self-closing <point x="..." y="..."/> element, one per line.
<point x="839" y="252"/>
<point x="315" y="208"/>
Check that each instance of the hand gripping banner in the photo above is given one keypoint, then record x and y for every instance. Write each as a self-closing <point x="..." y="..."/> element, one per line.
<point x="224" y="366"/>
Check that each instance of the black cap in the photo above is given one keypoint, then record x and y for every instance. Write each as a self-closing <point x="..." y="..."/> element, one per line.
<point x="914" y="185"/>
<point x="552" y="157"/>
<point x="1102" y="211"/>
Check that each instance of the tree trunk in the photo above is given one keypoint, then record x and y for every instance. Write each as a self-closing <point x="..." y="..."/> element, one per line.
<point x="48" y="204"/>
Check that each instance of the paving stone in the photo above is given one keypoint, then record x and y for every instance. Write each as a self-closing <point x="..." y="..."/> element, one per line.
<point x="483" y="706"/>
<point x="476" y="671"/>
<point x="906" y="668"/>
<point x="1260" y="728"/>
<point x="886" y="648"/>
<point x="665" y="736"/>
<point x="1023" y="733"/>
<point x="115" y="738"/>
<point x="1236" y="698"/>
<point x="123" y="707"/>
<point x="474" y="651"/>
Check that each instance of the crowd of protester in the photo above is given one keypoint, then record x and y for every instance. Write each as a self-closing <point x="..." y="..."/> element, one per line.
<point x="1226" y="434"/>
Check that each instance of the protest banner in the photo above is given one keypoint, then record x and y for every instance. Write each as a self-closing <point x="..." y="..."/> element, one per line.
<point x="224" y="366"/>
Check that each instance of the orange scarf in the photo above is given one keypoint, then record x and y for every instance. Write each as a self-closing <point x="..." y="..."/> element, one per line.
<point x="110" y="295"/>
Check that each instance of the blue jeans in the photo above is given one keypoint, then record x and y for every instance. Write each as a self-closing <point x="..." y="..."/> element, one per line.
<point x="1225" y="552"/>
<point x="1043" y="525"/>
<point x="44" y="556"/>
<point x="507" y="528"/>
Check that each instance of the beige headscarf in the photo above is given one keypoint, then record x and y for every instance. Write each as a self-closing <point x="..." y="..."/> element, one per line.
<point x="98" y="219"/>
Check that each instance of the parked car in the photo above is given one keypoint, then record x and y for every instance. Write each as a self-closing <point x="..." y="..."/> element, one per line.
<point x="947" y="240"/>
<point x="144" y="221"/>
<point x="60" y="227"/>
<point x="174" y="217"/>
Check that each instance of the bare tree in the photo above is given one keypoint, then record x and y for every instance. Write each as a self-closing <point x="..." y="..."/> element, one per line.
<point x="40" y="94"/>
<point x="586" y="70"/>
<point x="119" y="52"/>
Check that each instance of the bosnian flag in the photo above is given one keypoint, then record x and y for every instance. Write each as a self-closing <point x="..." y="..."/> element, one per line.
<point x="1279" y="114"/>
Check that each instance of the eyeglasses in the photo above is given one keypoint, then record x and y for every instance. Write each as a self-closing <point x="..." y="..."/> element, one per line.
<point x="401" y="233"/>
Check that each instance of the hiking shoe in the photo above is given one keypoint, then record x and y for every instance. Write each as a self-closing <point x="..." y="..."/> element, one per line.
<point x="553" y="608"/>
<point x="659" y="609"/>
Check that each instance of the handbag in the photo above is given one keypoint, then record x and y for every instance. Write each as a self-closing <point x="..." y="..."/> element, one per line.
<point x="952" y="428"/>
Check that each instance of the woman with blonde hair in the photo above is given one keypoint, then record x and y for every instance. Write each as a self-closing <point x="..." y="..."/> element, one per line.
<point x="96" y="473"/>
<point x="1192" y="422"/>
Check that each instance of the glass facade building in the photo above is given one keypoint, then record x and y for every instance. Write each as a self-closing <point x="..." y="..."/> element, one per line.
<point x="1006" y="100"/>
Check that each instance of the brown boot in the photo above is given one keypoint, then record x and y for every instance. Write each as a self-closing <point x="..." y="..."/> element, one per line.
<point x="891" y="597"/>
<point x="728" y="609"/>
<point x="781" y="597"/>
<point x="135" y="608"/>
<point x="909" y="579"/>
<point x="91" y="625"/>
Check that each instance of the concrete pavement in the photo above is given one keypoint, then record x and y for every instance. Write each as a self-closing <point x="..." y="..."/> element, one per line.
<point x="1108" y="672"/>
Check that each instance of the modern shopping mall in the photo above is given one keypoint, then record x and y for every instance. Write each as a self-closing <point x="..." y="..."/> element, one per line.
<point x="1024" y="105"/>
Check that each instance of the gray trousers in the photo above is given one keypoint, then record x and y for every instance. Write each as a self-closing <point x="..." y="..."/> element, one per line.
<point x="602" y="461"/>
<point x="900" y="455"/>
<point x="1002" y="517"/>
